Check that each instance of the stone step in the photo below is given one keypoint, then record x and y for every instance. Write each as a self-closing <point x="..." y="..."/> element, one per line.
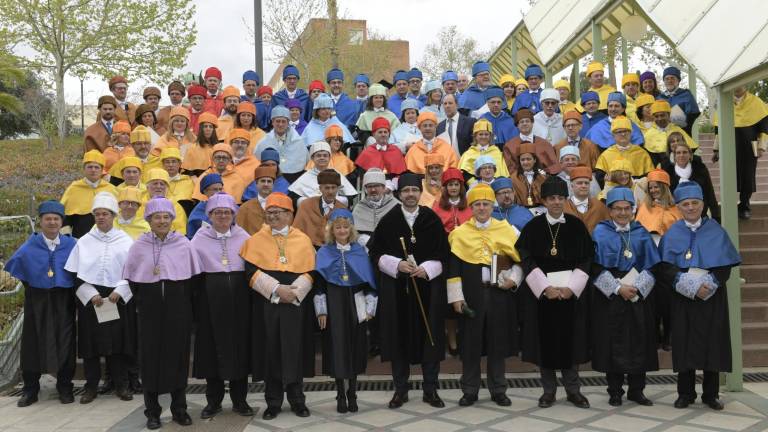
<point x="753" y="239"/>
<point x="754" y="311"/>
<point x="754" y="292"/>
<point x="754" y="332"/>
<point x="755" y="355"/>
<point x="754" y="255"/>
<point x="755" y="224"/>
<point x="755" y="273"/>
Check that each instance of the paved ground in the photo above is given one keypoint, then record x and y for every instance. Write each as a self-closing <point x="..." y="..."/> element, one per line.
<point x="744" y="411"/>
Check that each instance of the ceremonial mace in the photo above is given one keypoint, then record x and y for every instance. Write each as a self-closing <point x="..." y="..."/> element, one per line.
<point x="418" y="296"/>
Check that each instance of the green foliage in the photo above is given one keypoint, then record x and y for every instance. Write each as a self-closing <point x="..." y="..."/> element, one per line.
<point x="451" y="50"/>
<point x="10" y="77"/>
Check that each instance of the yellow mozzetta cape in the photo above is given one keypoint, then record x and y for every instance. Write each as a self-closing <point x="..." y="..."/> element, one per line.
<point x="476" y="246"/>
<point x="261" y="250"/>
<point x="749" y="111"/>
<point x="181" y="188"/>
<point x="179" y="224"/>
<point x="467" y="161"/>
<point x="656" y="139"/>
<point x="641" y="162"/>
<point x="78" y="197"/>
<point x="134" y="228"/>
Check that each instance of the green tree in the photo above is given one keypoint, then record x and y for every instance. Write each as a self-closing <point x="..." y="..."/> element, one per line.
<point x="147" y="38"/>
<point x="450" y="51"/>
<point x="11" y="76"/>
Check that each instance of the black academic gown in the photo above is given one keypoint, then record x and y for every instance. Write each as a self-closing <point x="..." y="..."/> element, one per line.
<point x="96" y="339"/>
<point x="285" y="347"/>
<point x="701" y="338"/>
<point x="48" y="337"/>
<point x="80" y="224"/>
<point x="494" y="329"/>
<point x="623" y="333"/>
<point x="555" y="333"/>
<point x="165" y="327"/>
<point x="222" y="306"/>
<point x="345" y="340"/>
<point x="403" y="334"/>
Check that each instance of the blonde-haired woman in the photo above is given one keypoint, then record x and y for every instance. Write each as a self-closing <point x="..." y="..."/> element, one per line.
<point x="345" y="300"/>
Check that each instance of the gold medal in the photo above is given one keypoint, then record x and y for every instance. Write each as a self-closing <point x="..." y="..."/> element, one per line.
<point x="627" y="253"/>
<point x="688" y="255"/>
<point x="413" y="238"/>
<point x="344" y="277"/>
<point x="553" y="251"/>
<point x="283" y="259"/>
<point x="50" y="273"/>
<point x="530" y="201"/>
<point x="224" y="261"/>
<point x="156" y="270"/>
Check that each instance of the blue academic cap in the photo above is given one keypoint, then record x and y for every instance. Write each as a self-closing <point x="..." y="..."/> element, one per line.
<point x="291" y="70"/>
<point x="362" y="78"/>
<point x="480" y="66"/>
<point x="618" y="97"/>
<point x="250" y="75"/>
<point x="589" y="96"/>
<point x="619" y="194"/>
<point x="688" y="190"/>
<point x="334" y="74"/>
<point x="449" y="75"/>
<point x="501" y="183"/>
<point x="534" y="70"/>
<point x="50" y="206"/>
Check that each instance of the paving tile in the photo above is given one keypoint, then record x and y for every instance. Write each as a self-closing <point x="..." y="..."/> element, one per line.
<point x="724" y="421"/>
<point x="622" y="423"/>
<point x="657" y="411"/>
<point x="565" y="413"/>
<point x="527" y="424"/>
<point x="471" y="415"/>
<point x="380" y="417"/>
<point x="428" y="425"/>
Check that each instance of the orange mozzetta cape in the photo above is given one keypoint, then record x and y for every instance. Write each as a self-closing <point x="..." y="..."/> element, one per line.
<point x="261" y="250"/>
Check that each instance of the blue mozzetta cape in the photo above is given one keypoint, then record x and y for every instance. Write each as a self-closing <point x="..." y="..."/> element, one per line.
<point x="31" y="262"/>
<point x="358" y="264"/>
<point x="710" y="246"/>
<point x="609" y="247"/>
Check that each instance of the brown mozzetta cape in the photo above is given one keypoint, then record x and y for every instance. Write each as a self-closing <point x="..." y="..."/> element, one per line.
<point x="96" y="137"/>
<point x="588" y="151"/>
<point x="250" y="216"/>
<point x="310" y="219"/>
<point x="596" y="212"/>
<point x="520" y="186"/>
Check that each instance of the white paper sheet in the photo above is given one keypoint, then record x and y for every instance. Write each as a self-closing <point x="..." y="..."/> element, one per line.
<point x="630" y="278"/>
<point x="362" y="314"/>
<point x="107" y="311"/>
<point x="695" y="271"/>
<point x="559" y="279"/>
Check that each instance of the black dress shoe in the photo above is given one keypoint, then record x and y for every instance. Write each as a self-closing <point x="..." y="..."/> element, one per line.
<point x="124" y="394"/>
<point x="341" y="403"/>
<point x="135" y="385"/>
<point x="26" y="400"/>
<point x="666" y="347"/>
<point x="682" y="402"/>
<point x="352" y="402"/>
<point x="614" y="401"/>
<point x="66" y="397"/>
<point x="182" y="419"/>
<point x="501" y="399"/>
<point x="640" y="399"/>
<point x="153" y="423"/>
<point x="578" y="400"/>
<point x="715" y="404"/>
<point x="433" y="399"/>
<point x="745" y="214"/>
<point x="270" y="413"/>
<point x="454" y="352"/>
<point x="108" y="386"/>
<point x="546" y="400"/>
<point x="88" y="396"/>
<point x="210" y="411"/>
<point x="467" y="400"/>
<point x="243" y="409"/>
<point x="398" y="399"/>
<point x="300" y="410"/>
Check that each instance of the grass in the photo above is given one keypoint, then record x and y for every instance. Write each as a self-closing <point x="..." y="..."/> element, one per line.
<point x="30" y="173"/>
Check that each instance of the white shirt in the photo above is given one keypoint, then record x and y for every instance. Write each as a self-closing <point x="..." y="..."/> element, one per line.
<point x="282" y="232"/>
<point x="346" y="248"/>
<point x="553" y="221"/>
<point x="453" y="139"/>
<point x="621" y="228"/>
<point x="107" y="124"/>
<point x="327" y="207"/>
<point x="52" y="243"/>
<point x="581" y="205"/>
<point x="483" y="225"/>
<point x="410" y="218"/>
<point x="428" y="144"/>
<point x="98" y="259"/>
<point x="528" y="138"/>
<point x="291" y="94"/>
<point x="92" y="184"/>
<point x="262" y="201"/>
<point x="693" y="226"/>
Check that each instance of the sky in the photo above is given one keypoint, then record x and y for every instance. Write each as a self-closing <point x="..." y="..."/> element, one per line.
<point x="416" y="21"/>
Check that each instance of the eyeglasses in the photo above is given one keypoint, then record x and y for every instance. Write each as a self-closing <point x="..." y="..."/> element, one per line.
<point x="275" y="213"/>
<point x="549" y="103"/>
<point x="624" y="132"/>
<point x="219" y="213"/>
<point x="221" y="158"/>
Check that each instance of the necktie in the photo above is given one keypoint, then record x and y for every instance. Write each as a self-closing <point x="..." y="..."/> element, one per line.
<point x="450" y="130"/>
<point x="109" y="127"/>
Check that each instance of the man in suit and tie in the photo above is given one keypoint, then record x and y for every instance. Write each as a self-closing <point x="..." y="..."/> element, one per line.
<point x="456" y="126"/>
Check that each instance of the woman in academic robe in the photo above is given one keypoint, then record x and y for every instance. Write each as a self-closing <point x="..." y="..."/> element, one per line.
<point x="48" y="332"/>
<point x="555" y="327"/>
<point x="685" y="167"/>
<point x="698" y="257"/>
<point x="452" y="207"/>
<point x="656" y="213"/>
<point x="159" y="270"/>
<point x="479" y="248"/>
<point x="278" y="261"/>
<point x="375" y="107"/>
<point x="624" y="341"/>
<point x="222" y="309"/>
<point x="345" y="301"/>
<point x="528" y="178"/>
<point x="79" y="194"/>
<point x="98" y="260"/>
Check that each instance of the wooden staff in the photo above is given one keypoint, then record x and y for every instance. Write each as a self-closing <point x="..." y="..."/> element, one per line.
<point x="418" y="296"/>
